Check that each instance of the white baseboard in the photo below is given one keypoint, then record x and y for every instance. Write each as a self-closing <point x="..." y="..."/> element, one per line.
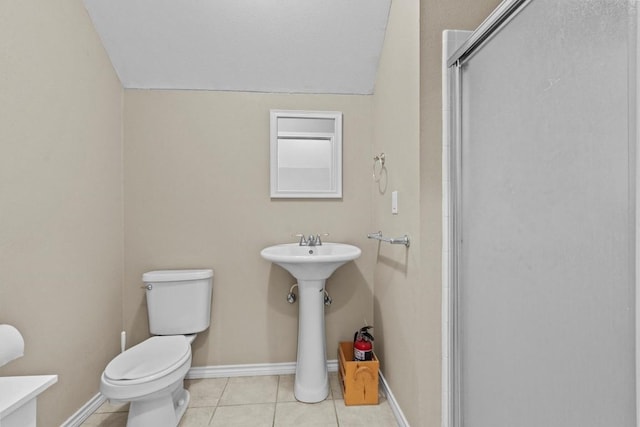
<point x="85" y="412"/>
<point x="224" y="371"/>
<point x="393" y="403"/>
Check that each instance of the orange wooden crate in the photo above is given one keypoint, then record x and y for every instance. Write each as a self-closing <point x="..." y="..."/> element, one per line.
<point x="359" y="379"/>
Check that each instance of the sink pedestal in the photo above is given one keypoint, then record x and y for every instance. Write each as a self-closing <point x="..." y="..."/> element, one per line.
<point x="312" y="380"/>
<point x="311" y="265"/>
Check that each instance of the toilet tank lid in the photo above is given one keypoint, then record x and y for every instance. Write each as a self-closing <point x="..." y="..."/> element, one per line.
<point x="176" y="275"/>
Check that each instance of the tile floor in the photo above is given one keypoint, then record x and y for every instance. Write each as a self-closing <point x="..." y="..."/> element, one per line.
<point x="260" y="401"/>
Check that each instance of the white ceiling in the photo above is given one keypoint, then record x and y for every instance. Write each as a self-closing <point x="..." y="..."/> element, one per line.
<point x="292" y="46"/>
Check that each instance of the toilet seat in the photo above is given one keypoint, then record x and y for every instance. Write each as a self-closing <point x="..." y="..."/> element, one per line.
<point x="149" y="360"/>
<point x="146" y="368"/>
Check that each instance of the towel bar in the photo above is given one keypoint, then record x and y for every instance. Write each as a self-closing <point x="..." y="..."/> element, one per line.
<point x="404" y="240"/>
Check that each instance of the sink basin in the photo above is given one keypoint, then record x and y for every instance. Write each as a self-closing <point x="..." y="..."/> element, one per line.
<point x="311" y="262"/>
<point x="311" y="265"/>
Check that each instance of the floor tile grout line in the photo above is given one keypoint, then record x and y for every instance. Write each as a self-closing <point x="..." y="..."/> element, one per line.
<point x="213" y="413"/>
<point x="275" y="406"/>
<point x="217" y="405"/>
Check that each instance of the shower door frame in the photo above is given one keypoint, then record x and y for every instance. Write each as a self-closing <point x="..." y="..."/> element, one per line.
<point x="454" y="54"/>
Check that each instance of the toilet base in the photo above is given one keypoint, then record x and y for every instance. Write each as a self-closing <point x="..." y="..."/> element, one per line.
<point x="165" y="410"/>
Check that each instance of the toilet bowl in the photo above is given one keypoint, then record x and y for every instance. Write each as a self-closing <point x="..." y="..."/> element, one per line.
<point x="151" y="374"/>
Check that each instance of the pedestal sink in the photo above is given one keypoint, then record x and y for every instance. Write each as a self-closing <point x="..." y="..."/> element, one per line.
<point x="311" y="265"/>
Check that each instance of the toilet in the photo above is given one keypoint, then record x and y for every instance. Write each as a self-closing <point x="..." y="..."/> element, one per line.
<point x="151" y="374"/>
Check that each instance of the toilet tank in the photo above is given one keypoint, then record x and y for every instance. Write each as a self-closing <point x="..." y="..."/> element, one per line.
<point x="178" y="301"/>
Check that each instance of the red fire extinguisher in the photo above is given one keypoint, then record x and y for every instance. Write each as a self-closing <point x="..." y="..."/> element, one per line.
<point x="362" y="344"/>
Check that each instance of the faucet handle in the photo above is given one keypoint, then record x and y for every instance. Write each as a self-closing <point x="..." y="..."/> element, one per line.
<point x="318" y="240"/>
<point x="303" y="240"/>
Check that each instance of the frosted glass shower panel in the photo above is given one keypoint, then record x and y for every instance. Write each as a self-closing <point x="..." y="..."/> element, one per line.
<point x="546" y="290"/>
<point x="306" y="154"/>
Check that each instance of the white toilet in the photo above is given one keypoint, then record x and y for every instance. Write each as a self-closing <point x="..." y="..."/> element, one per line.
<point x="151" y="374"/>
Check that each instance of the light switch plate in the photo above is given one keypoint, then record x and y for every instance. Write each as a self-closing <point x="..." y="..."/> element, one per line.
<point x="394" y="202"/>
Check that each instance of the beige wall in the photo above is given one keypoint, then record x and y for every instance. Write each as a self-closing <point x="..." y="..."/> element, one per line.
<point x="197" y="195"/>
<point x="398" y="297"/>
<point x="60" y="199"/>
<point x="407" y="117"/>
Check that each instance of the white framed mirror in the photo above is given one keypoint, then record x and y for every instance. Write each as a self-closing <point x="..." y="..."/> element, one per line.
<point x="306" y="154"/>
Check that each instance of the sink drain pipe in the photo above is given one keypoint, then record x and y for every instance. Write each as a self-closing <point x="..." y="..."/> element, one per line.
<point x="291" y="296"/>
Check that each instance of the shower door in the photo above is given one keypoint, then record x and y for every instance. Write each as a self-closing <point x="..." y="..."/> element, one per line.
<point x="543" y="291"/>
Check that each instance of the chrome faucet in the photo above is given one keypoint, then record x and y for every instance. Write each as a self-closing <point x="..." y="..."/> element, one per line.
<point x="314" y="240"/>
<point x="311" y="240"/>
